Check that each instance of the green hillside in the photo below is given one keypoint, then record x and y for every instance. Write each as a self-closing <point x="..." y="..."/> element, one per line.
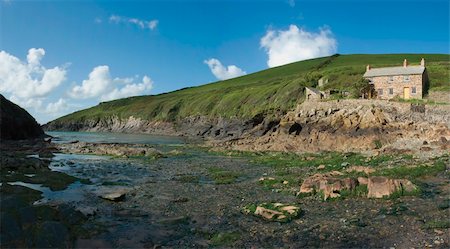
<point x="265" y="91"/>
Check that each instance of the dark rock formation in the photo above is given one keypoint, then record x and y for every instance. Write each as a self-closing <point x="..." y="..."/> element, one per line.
<point x="16" y="123"/>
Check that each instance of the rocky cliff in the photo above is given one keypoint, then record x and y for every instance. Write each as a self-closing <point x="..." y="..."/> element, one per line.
<point x="16" y="123"/>
<point x="354" y="125"/>
<point x="345" y="125"/>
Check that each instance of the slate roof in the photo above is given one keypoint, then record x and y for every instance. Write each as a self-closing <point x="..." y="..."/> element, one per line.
<point x="391" y="71"/>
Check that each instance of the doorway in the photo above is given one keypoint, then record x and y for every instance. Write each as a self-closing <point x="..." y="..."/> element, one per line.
<point x="406" y="92"/>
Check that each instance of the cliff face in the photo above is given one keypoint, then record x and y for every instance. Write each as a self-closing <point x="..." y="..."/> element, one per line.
<point x="16" y="123"/>
<point x="346" y="125"/>
<point x="194" y="126"/>
<point x="354" y="126"/>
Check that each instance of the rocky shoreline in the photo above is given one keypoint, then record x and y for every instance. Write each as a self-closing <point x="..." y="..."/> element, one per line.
<point x="370" y="126"/>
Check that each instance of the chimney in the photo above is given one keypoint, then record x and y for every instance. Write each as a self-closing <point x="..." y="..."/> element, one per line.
<point x="422" y="62"/>
<point x="368" y="68"/>
<point x="405" y="63"/>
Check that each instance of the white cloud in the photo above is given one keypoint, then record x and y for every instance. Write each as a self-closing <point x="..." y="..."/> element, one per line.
<point x="57" y="107"/>
<point x="221" y="72"/>
<point x="29" y="79"/>
<point x="98" y="20"/>
<point x="152" y="24"/>
<point x="129" y="90"/>
<point x="143" y="24"/>
<point x="32" y="86"/>
<point x="35" y="55"/>
<point x="97" y="83"/>
<point x="34" y="103"/>
<point x="294" y="44"/>
<point x="100" y="84"/>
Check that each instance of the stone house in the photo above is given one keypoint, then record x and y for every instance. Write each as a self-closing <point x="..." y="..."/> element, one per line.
<point x="314" y="94"/>
<point x="407" y="82"/>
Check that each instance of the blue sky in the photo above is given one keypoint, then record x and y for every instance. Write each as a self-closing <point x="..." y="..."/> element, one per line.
<point x="150" y="47"/>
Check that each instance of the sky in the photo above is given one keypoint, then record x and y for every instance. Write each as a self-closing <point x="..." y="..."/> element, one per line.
<point x="57" y="57"/>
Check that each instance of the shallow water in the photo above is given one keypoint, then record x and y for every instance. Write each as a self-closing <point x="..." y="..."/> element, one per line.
<point x="108" y="137"/>
<point x="73" y="193"/>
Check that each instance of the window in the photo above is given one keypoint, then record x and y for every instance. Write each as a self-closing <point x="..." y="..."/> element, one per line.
<point x="391" y="91"/>
<point x="406" y="78"/>
<point x="413" y="90"/>
<point x="380" y="92"/>
<point x="391" y="79"/>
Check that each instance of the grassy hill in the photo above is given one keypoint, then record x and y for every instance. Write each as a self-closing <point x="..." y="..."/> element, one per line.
<point x="279" y="88"/>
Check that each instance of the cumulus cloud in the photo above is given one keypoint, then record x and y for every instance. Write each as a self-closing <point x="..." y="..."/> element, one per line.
<point x="27" y="80"/>
<point x="101" y="84"/>
<point x="57" y="107"/>
<point x="221" y="72"/>
<point x="129" y="90"/>
<point x="294" y="44"/>
<point x="97" y="83"/>
<point x="143" y="24"/>
<point x="35" y="55"/>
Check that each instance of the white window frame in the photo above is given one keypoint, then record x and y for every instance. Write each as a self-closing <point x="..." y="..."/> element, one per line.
<point x="406" y="78"/>
<point x="380" y="91"/>
<point x="391" y="91"/>
<point x="415" y="90"/>
<point x="390" y="79"/>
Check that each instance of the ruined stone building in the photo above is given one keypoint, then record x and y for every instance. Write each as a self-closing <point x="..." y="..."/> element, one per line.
<point x="407" y="82"/>
<point x="314" y="94"/>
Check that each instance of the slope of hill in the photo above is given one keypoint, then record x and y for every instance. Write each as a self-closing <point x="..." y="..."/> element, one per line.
<point x="264" y="93"/>
<point x="16" y="123"/>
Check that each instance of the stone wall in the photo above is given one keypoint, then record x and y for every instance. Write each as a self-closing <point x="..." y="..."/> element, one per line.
<point x="397" y="84"/>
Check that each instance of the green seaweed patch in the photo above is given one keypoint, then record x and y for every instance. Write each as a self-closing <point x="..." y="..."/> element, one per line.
<point x="273" y="211"/>
<point x="415" y="171"/>
<point x="395" y="210"/>
<point x="224" y="238"/>
<point x="440" y="224"/>
<point x="222" y="176"/>
<point x="444" y="205"/>
<point x="269" y="182"/>
<point x="189" y="178"/>
<point x="358" y="191"/>
<point x="403" y="192"/>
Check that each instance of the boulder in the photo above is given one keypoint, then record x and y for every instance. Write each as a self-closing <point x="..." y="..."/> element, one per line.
<point x="380" y="186"/>
<point x="266" y="213"/>
<point x="328" y="184"/>
<point x="117" y="194"/>
<point x="278" y="212"/>
<point x="362" y="181"/>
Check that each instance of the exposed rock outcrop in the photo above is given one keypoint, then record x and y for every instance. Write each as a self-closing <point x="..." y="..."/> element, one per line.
<point x="16" y="123"/>
<point x="113" y="149"/>
<point x="353" y="126"/>
<point x="380" y="186"/>
<point x="332" y="183"/>
<point x="345" y="125"/>
<point x="328" y="183"/>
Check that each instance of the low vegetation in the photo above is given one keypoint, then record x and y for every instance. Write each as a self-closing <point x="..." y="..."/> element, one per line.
<point x="276" y="89"/>
<point x="287" y="171"/>
<point x="222" y="176"/>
